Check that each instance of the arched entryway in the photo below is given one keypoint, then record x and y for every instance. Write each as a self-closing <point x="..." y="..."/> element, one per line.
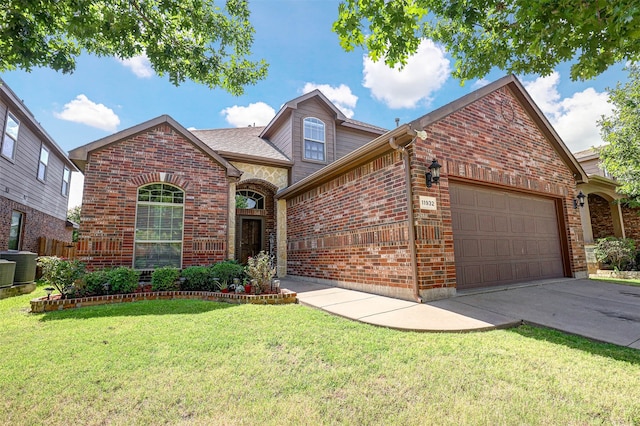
<point x="255" y="219"/>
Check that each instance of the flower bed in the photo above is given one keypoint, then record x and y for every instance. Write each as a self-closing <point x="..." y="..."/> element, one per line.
<point x="43" y="304"/>
<point x="625" y="275"/>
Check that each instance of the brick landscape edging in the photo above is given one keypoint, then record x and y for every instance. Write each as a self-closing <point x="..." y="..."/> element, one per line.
<point x="43" y="304"/>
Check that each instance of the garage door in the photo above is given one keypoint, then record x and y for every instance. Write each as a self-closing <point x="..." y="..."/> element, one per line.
<point x="502" y="237"/>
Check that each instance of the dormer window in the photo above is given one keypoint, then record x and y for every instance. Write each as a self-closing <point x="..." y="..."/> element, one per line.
<point x="314" y="139"/>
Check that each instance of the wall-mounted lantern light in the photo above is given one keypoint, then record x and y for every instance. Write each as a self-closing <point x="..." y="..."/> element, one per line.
<point x="433" y="175"/>
<point x="579" y="200"/>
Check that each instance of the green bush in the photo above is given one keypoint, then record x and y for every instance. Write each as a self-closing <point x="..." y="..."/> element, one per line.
<point x="164" y="279"/>
<point x="123" y="280"/>
<point x="94" y="282"/>
<point x="260" y="268"/>
<point x="60" y="273"/>
<point x="617" y="252"/>
<point x="228" y="270"/>
<point x="198" y="278"/>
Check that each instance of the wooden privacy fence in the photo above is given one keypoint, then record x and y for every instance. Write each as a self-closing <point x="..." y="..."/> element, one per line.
<point x="51" y="247"/>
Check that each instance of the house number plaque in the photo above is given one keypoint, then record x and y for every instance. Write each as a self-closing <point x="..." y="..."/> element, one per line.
<point x="428" y="203"/>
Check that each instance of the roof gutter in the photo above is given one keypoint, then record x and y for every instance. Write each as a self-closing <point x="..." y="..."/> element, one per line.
<point x="410" y="218"/>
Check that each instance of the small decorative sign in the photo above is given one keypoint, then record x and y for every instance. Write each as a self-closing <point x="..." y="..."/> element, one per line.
<point x="428" y="203"/>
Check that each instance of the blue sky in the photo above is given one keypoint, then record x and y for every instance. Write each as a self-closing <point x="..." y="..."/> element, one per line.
<point x="105" y="95"/>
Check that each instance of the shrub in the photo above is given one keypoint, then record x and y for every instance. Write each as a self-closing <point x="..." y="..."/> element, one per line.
<point x="164" y="279"/>
<point x="228" y="270"/>
<point x="60" y="273"/>
<point x="617" y="252"/>
<point x="198" y="278"/>
<point x="94" y="282"/>
<point x="123" y="280"/>
<point x="260" y="268"/>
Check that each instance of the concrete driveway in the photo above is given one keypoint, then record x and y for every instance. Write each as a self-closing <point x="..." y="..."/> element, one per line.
<point x="594" y="309"/>
<point x="601" y="311"/>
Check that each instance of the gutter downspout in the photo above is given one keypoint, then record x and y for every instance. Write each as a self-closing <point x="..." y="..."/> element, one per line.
<point x="410" y="217"/>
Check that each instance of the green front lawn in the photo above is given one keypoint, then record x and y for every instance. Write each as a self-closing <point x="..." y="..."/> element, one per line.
<point x="619" y="281"/>
<point x="201" y="363"/>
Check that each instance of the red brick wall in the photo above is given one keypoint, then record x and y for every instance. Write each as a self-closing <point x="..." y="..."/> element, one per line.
<point x="36" y="224"/>
<point x="353" y="229"/>
<point x="601" y="220"/>
<point x="631" y="220"/>
<point x="112" y="177"/>
<point x="492" y="141"/>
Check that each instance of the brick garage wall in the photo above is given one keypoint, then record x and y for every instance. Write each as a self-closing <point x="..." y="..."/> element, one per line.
<point x="601" y="220"/>
<point x="492" y="141"/>
<point x="353" y="230"/>
<point x="36" y="224"/>
<point x="631" y="220"/>
<point x="112" y="177"/>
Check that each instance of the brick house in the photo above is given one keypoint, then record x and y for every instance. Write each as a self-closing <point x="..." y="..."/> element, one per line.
<point x="502" y="211"/>
<point x="35" y="177"/>
<point x="603" y="215"/>
<point x="158" y="194"/>
<point x="344" y="202"/>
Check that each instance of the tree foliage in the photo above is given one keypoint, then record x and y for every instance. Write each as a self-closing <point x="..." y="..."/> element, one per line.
<point x="518" y="36"/>
<point x="184" y="39"/>
<point x="621" y="155"/>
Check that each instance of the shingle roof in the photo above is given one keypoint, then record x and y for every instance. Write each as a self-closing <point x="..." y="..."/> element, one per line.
<point x="243" y="141"/>
<point x="586" y="153"/>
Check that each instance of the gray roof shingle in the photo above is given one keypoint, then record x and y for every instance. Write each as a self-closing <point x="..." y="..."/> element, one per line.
<point x="241" y="141"/>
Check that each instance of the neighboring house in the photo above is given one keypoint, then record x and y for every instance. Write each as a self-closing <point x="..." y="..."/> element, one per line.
<point x="35" y="177"/>
<point x="606" y="216"/>
<point x="344" y="202"/>
<point x="171" y="194"/>
<point x="603" y="215"/>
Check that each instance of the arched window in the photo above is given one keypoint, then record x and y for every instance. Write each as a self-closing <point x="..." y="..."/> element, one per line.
<point x="159" y="225"/>
<point x="314" y="139"/>
<point x="249" y="200"/>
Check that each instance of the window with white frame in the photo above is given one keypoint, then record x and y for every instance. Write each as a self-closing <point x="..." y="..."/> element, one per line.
<point x="159" y="226"/>
<point x="249" y="200"/>
<point x="66" y="179"/>
<point x="10" y="137"/>
<point x="43" y="163"/>
<point x="314" y="139"/>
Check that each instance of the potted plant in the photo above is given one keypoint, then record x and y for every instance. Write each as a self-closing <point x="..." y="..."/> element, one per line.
<point x="260" y="268"/>
<point x="247" y="286"/>
<point x="223" y="287"/>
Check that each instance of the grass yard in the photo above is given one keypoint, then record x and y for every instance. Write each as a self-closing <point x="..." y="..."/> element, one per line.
<point x="635" y="283"/>
<point x="202" y="363"/>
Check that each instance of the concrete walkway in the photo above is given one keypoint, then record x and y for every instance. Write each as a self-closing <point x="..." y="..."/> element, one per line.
<point x="596" y="310"/>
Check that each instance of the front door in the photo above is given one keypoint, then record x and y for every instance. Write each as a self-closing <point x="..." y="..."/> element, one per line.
<point x="250" y="238"/>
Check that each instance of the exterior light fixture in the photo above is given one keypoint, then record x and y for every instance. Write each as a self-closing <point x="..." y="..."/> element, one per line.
<point x="106" y="286"/>
<point x="433" y="175"/>
<point x="579" y="200"/>
<point x="49" y="290"/>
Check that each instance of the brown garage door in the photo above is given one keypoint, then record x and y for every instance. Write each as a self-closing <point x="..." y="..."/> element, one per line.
<point x="502" y="237"/>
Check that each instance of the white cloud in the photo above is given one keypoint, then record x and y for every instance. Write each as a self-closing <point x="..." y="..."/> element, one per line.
<point x="82" y="110"/>
<point x="258" y="114"/>
<point x="481" y="82"/>
<point x="140" y="65"/>
<point x="424" y="74"/>
<point x="574" y="118"/>
<point x="76" y="189"/>
<point x="341" y="96"/>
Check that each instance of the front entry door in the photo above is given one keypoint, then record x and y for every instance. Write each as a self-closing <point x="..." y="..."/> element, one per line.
<point x="250" y="238"/>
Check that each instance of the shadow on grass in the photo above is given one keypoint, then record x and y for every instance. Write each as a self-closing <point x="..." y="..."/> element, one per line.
<point x="609" y="350"/>
<point x="143" y="307"/>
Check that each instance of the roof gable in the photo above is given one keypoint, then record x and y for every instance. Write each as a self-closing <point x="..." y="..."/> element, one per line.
<point x="530" y="108"/>
<point x="80" y="155"/>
